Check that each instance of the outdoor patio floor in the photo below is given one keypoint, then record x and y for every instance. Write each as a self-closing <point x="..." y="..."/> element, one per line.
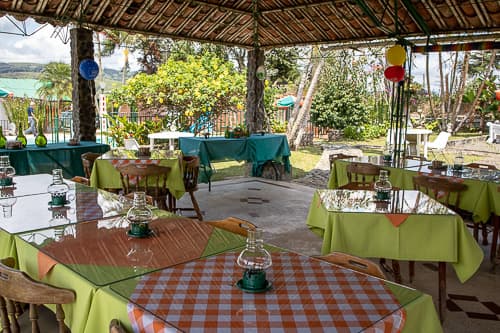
<point x="281" y="208"/>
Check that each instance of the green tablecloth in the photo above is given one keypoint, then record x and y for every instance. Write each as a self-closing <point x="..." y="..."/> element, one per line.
<point x="420" y="237"/>
<point x="256" y="149"/>
<point x="106" y="176"/>
<point x="34" y="160"/>
<point x="480" y="198"/>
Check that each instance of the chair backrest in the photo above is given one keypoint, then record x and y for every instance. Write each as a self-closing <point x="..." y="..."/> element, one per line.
<point x="16" y="286"/>
<point x="440" y="141"/>
<point x="131" y="144"/>
<point x="191" y="167"/>
<point x="339" y="156"/>
<point x="234" y="225"/>
<point x="483" y="166"/>
<point x="116" y="327"/>
<point x="361" y="175"/>
<point x="149" y="178"/>
<point x="88" y="162"/>
<point x="440" y="188"/>
<point x="355" y="263"/>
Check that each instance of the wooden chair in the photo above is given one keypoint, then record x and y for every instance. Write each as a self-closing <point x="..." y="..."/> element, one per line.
<point x="16" y="286"/>
<point x="339" y="156"/>
<point x="490" y="225"/>
<point x="88" y="159"/>
<point x="116" y="327"/>
<point x="355" y="263"/>
<point x="234" y="225"/>
<point x="483" y="166"/>
<point x="361" y="176"/>
<point x="149" y="178"/>
<point x="191" y="167"/>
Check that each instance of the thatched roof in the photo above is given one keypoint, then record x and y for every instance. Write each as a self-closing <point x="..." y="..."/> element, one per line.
<point x="274" y="23"/>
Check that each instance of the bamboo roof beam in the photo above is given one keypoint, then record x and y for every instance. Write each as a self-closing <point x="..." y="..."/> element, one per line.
<point x="142" y="11"/>
<point x="371" y="15"/>
<point x="172" y="18"/>
<point x="416" y="17"/>
<point x="119" y="13"/>
<point x="221" y="7"/>
<point x="217" y="23"/>
<point x="159" y="14"/>
<point x="40" y="6"/>
<point x="100" y="10"/>
<point x="319" y="28"/>
<point x="319" y="12"/>
<point x="434" y="13"/>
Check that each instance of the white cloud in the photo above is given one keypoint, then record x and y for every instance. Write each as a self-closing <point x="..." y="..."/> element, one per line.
<point x="44" y="46"/>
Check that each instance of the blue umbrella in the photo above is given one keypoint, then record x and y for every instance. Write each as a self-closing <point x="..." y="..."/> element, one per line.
<point x="286" y="101"/>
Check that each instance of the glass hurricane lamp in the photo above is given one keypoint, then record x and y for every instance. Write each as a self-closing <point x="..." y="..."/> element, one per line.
<point x="254" y="259"/>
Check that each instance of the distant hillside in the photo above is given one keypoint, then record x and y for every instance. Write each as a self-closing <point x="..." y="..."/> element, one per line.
<point x="27" y="70"/>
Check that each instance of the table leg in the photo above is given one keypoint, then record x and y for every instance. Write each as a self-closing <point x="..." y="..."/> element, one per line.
<point x="419" y="142"/>
<point x="442" y="290"/>
<point x="425" y="145"/>
<point x="494" y="240"/>
<point x="151" y="144"/>
<point x="171" y="144"/>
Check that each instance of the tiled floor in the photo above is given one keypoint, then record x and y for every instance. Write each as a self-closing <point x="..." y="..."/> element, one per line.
<point x="281" y="209"/>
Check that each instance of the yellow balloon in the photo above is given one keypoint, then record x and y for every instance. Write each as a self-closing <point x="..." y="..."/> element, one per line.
<point x="396" y="55"/>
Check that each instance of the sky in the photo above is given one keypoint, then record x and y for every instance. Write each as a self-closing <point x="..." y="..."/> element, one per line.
<point x="41" y="47"/>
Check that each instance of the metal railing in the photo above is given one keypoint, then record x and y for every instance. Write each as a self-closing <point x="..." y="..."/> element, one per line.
<point x="59" y="128"/>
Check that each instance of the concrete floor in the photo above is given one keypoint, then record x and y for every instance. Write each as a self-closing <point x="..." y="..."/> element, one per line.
<point x="280" y="208"/>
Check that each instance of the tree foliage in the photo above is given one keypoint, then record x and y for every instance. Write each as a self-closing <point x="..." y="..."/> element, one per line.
<point x="55" y="81"/>
<point x="282" y="65"/>
<point x="189" y="93"/>
<point x="339" y="100"/>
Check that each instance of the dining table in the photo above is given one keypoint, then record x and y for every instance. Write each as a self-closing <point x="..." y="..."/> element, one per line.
<point x="356" y="222"/>
<point x="33" y="160"/>
<point x="480" y="198"/>
<point x="256" y="149"/>
<point x="307" y="294"/>
<point x="91" y="255"/>
<point x="105" y="174"/>
<point x="422" y="138"/>
<point x="167" y="135"/>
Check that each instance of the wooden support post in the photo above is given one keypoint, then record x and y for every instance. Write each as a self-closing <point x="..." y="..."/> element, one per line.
<point x="255" y="115"/>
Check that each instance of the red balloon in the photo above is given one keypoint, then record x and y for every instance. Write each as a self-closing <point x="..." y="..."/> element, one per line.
<point x="395" y="73"/>
<point x="497" y="95"/>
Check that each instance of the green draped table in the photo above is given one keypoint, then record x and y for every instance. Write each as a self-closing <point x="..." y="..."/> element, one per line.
<point x="105" y="174"/>
<point x="481" y="199"/>
<point x="256" y="149"/>
<point x="355" y="222"/>
<point x="88" y="256"/>
<point x="33" y="160"/>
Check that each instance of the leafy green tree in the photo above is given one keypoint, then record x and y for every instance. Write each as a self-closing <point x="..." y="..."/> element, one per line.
<point x="191" y="93"/>
<point x="55" y="83"/>
<point x="282" y="64"/>
<point x="339" y="101"/>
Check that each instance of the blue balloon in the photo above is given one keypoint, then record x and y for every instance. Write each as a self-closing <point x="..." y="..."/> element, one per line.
<point x="89" y="69"/>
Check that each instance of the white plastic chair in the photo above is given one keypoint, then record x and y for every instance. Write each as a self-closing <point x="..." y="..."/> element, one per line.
<point x="131" y="144"/>
<point x="439" y="143"/>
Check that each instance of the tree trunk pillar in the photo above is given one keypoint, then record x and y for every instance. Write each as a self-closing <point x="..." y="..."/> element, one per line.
<point x="256" y="115"/>
<point x="84" y="112"/>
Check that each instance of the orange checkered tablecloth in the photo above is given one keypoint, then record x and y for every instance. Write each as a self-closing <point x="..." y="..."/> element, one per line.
<point x="307" y="295"/>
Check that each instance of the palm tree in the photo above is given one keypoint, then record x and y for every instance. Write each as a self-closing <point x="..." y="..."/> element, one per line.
<point x="55" y="80"/>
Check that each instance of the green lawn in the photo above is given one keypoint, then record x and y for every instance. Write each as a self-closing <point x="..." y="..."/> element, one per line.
<point x="305" y="159"/>
<point x="302" y="160"/>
